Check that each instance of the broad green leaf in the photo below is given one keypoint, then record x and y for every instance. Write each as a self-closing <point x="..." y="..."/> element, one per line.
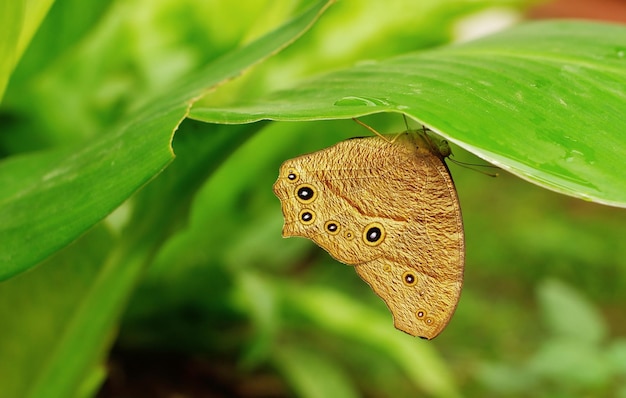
<point x="505" y="379"/>
<point x="19" y="21"/>
<point x="310" y="374"/>
<point x="616" y="356"/>
<point x="11" y="15"/>
<point x="51" y="337"/>
<point x="54" y="49"/>
<point x="571" y="364"/>
<point x="543" y="100"/>
<point x="49" y="199"/>
<point x="568" y="314"/>
<point x="343" y="316"/>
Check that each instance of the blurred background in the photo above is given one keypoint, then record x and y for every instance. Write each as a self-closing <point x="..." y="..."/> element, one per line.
<point x="229" y="308"/>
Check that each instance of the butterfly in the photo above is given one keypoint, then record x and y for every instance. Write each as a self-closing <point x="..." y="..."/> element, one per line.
<point x="388" y="206"/>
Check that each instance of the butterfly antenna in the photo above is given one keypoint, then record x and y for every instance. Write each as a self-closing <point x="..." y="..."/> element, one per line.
<point x="470" y="166"/>
<point x="431" y="143"/>
<point x="406" y="122"/>
<point x="475" y="167"/>
<point x="425" y="130"/>
<point x="370" y="128"/>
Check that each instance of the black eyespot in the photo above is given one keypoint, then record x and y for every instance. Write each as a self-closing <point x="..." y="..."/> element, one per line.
<point x="307" y="216"/>
<point x="293" y="175"/>
<point x="409" y="278"/>
<point x="332" y="227"/>
<point x="305" y="193"/>
<point x="374" y="234"/>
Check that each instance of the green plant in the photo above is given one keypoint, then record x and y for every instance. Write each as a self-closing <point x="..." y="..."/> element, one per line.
<point x="576" y="359"/>
<point x="98" y="222"/>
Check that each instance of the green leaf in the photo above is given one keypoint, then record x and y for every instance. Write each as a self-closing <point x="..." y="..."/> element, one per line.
<point x="19" y="21"/>
<point x="505" y="379"/>
<point x="569" y="363"/>
<point x="616" y="356"/>
<point x="57" y="42"/>
<point x="72" y="189"/>
<point x="56" y="320"/>
<point x="570" y="315"/>
<point x="50" y="198"/>
<point x="543" y="100"/>
<point x="310" y="374"/>
<point x="339" y="314"/>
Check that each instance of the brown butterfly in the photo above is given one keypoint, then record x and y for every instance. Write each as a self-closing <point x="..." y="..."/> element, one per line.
<point x="388" y="206"/>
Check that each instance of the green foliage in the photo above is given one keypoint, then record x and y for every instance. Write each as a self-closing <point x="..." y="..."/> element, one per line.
<point x="536" y="80"/>
<point x="575" y="359"/>
<point x="42" y="330"/>
<point x="126" y="159"/>
<point x="106" y="239"/>
<point x="18" y="23"/>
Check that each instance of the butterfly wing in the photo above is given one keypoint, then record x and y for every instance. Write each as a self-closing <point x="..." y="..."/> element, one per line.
<point x="391" y="210"/>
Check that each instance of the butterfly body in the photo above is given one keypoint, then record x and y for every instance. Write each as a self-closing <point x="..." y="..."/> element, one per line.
<point x="389" y="208"/>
